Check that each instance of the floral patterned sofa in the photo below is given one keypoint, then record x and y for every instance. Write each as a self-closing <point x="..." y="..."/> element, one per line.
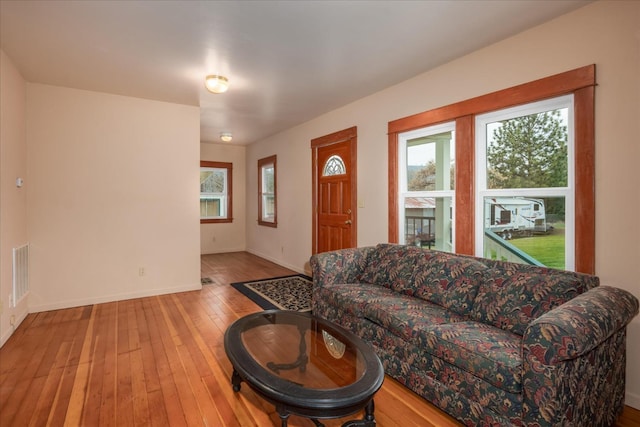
<point x="489" y="342"/>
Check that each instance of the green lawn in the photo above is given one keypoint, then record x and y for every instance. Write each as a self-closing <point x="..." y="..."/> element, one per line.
<point x="548" y="249"/>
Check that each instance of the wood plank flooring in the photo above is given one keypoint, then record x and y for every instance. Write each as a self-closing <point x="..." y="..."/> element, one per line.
<point x="160" y="361"/>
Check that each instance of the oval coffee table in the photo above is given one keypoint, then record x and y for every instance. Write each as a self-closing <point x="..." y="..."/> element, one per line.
<point x="304" y="366"/>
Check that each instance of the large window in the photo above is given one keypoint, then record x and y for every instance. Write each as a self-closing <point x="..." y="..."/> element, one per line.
<point x="554" y="199"/>
<point x="525" y="185"/>
<point x="427" y="179"/>
<point x="215" y="192"/>
<point x="267" y="206"/>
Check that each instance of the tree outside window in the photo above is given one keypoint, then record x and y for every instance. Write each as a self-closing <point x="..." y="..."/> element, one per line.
<point x="529" y="151"/>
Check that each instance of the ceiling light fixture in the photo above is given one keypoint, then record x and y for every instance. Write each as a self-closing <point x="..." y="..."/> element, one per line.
<point x="216" y="84"/>
<point x="226" y="136"/>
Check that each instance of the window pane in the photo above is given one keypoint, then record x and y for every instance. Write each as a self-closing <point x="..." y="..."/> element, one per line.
<point x="267" y="179"/>
<point x="212" y="180"/>
<point x="429" y="222"/>
<point x="528" y="230"/>
<point x="334" y="166"/>
<point x="528" y="151"/>
<point x="268" y="207"/>
<point x="211" y="208"/>
<point x="430" y="162"/>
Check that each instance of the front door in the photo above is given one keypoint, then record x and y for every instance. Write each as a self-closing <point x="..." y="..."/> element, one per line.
<point x="334" y="191"/>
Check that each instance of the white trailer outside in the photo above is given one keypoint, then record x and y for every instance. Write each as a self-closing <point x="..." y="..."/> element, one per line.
<point x="514" y="216"/>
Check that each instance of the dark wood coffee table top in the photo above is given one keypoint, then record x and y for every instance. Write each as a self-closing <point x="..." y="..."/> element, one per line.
<point x="304" y="365"/>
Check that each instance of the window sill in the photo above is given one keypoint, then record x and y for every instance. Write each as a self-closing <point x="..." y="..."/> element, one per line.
<point x="268" y="224"/>
<point x="216" y="221"/>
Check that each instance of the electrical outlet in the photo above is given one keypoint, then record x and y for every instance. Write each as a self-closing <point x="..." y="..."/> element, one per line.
<point x="12" y="320"/>
<point x="141" y="271"/>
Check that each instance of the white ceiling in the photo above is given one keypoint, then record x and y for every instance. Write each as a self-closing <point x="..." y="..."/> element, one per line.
<point x="287" y="61"/>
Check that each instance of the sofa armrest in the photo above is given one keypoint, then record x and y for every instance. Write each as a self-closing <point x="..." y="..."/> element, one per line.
<point x="579" y="325"/>
<point x="341" y="266"/>
<point x="574" y="359"/>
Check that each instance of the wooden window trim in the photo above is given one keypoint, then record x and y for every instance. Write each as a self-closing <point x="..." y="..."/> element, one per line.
<point x="581" y="83"/>
<point x="261" y="163"/>
<point x="229" y="168"/>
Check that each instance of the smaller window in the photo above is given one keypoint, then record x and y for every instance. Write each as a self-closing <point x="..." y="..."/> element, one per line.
<point x="427" y="191"/>
<point x="267" y="206"/>
<point x="215" y="192"/>
<point x="334" y="166"/>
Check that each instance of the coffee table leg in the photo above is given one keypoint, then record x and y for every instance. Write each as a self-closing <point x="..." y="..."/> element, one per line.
<point x="236" y="380"/>
<point x="369" y="419"/>
<point x="284" y="417"/>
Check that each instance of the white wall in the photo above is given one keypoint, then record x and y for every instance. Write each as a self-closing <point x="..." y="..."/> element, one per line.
<point x="13" y="200"/>
<point x="604" y="33"/>
<point x="111" y="196"/>
<point x="290" y="243"/>
<point x="227" y="237"/>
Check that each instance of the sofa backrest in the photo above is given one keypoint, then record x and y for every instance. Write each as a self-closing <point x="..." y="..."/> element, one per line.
<point x="503" y="294"/>
<point x="449" y="280"/>
<point x="445" y="279"/>
<point x="391" y="266"/>
<point x="517" y="294"/>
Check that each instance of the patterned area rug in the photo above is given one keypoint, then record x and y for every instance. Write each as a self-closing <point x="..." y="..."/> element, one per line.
<point x="284" y="293"/>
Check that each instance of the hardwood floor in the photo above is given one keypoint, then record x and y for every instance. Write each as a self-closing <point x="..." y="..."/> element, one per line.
<point x="160" y="361"/>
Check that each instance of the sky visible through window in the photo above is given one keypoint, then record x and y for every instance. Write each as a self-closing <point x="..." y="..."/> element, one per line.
<point x="421" y="154"/>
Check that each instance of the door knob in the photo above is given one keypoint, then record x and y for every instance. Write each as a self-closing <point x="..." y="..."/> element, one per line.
<point x="348" y="221"/>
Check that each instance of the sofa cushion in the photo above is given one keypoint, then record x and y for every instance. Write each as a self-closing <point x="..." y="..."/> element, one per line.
<point x="489" y="353"/>
<point x="404" y="316"/>
<point x="391" y="265"/>
<point x="351" y="297"/>
<point x="409" y="364"/>
<point x="519" y="293"/>
<point x="448" y="280"/>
